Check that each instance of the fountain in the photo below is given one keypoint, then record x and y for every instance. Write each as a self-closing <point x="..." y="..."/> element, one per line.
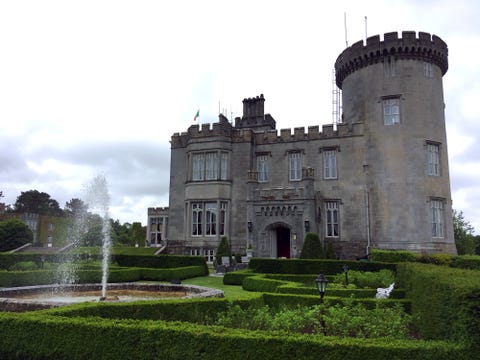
<point x="67" y="292"/>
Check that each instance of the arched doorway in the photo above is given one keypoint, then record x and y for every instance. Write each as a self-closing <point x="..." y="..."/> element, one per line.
<point x="283" y="241"/>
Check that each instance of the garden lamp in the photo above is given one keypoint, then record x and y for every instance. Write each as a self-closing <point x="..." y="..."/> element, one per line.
<point x="322" y="282"/>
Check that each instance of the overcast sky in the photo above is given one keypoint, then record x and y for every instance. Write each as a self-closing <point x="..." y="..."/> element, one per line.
<point x="98" y="87"/>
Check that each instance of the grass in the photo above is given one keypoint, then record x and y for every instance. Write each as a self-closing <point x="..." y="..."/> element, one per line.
<point x="216" y="282"/>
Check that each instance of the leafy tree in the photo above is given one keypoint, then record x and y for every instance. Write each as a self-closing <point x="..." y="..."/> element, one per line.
<point x="477" y="244"/>
<point x="463" y="234"/>
<point x="312" y="248"/>
<point x="36" y="202"/>
<point x="13" y="234"/>
<point x="76" y="208"/>
<point x="94" y="233"/>
<point x="223" y="249"/>
<point x="139" y="233"/>
<point x="121" y="233"/>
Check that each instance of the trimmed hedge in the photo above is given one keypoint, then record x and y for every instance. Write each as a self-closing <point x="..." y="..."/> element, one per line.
<point x="160" y="261"/>
<point x="466" y="262"/>
<point x="445" y="301"/>
<point x="393" y="256"/>
<point x="237" y="277"/>
<point x="43" y="277"/>
<point x="306" y="266"/>
<point x="39" y="336"/>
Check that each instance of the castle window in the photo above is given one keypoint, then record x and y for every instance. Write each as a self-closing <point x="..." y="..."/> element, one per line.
<point x="427" y="70"/>
<point x="197" y="215"/>
<point x="262" y="168"/>
<point x="223" y="165"/>
<point x="211" y="166"/>
<point x="223" y="217"/>
<point x="330" y="164"/>
<point x="211" y="218"/>
<point x="437" y="213"/>
<point x="389" y="68"/>
<point x="391" y="111"/>
<point x="433" y="159"/>
<point x="295" y="166"/>
<point x="331" y="219"/>
<point x="209" y="255"/>
<point x="198" y="166"/>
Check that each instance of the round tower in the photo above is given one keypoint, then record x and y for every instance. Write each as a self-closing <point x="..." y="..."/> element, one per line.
<point x="394" y="88"/>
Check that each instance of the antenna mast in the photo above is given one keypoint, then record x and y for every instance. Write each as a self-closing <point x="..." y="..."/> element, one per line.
<point x="345" y="26"/>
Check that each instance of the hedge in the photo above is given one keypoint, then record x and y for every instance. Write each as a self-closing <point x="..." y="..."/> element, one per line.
<point x="306" y="266"/>
<point x="445" y="301"/>
<point x="393" y="256"/>
<point x="466" y="262"/>
<point x="40" y="336"/>
<point x="236" y="277"/>
<point x="43" y="277"/>
<point x="160" y="261"/>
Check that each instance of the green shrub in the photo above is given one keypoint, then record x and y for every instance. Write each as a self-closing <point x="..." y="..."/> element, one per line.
<point x="436" y="259"/>
<point x="308" y="266"/>
<point x="24" y="265"/>
<point x="223" y="249"/>
<point x="394" y="256"/>
<point x="236" y="277"/>
<point x="37" y="335"/>
<point x="261" y="284"/>
<point x="445" y="301"/>
<point x="312" y="248"/>
<point x="372" y="280"/>
<point x="466" y="262"/>
<point x="13" y="234"/>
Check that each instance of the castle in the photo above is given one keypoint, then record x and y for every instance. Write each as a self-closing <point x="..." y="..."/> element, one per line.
<point x="379" y="179"/>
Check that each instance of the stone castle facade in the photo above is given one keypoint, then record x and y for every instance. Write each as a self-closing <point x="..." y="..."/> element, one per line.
<point x="379" y="179"/>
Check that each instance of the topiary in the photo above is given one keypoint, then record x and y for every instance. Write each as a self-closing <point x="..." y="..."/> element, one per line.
<point x="223" y="249"/>
<point x="312" y="248"/>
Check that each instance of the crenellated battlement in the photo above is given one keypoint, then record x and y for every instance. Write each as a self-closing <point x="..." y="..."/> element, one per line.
<point x="424" y="47"/>
<point x="266" y="136"/>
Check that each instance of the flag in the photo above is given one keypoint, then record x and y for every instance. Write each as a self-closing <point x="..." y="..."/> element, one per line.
<point x="197" y="115"/>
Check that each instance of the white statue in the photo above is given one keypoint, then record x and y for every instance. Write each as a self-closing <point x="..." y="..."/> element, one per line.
<point x="384" y="293"/>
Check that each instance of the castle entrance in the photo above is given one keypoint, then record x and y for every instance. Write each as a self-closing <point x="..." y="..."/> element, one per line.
<point x="283" y="242"/>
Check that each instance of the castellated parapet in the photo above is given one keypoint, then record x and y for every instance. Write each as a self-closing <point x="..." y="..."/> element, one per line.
<point x="425" y="47"/>
<point x="272" y="136"/>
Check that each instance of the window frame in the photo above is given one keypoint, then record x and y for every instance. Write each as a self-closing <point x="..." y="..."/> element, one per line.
<point x="262" y="168"/>
<point x="389" y="116"/>
<point x="332" y="218"/>
<point x="437" y="217"/>
<point x="295" y="166"/>
<point x="433" y="159"/>
<point x="330" y="163"/>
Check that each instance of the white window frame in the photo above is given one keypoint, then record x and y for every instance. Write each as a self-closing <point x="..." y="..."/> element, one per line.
<point x="330" y="164"/>
<point x="433" y="159"/>
<point x="332" y="219"/>
<point x="295" y="166"/>
<point x="262" y="168"/>
<point x="223" y="165"/>
<point x="391" y="111"/>
<point x="223" y="218"/>
<point x="197" y="219"/>
<point x="198" y="166"/>
<point x="209" y="255"/>
<point x="211" y="166"/>
<point x="210" y="218"/>
<point x="437" y="217"/>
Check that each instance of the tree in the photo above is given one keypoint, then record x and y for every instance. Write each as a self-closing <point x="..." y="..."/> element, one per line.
<point x="94" y="233"/>
<point x="75" y="208"/>
<point x="463" y="234"/>
<point x="312" y="248"/>
<point x="13" y="234"/>
<point x="36" y="202"/>
<point x="139" y="233"/>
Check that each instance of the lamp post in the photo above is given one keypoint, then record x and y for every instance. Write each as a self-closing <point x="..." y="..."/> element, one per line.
<point x="345" y="270"/>
<point x="322" y="282"/>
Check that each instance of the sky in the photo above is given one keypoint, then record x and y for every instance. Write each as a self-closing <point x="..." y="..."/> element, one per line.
<point x="91" y="88"/>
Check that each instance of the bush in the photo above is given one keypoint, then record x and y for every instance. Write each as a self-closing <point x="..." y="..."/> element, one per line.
<point x="236" y="277"/>
<point x="24" y="265"/>
<point x="444" y="301"/>
<point x="312" y="248"/>
<point x="372" y="280"/>
<point x="308" y="266"/>
<point x="436" y="259"/>
<point x="466" y="262"/>
<point x="393" y="256"/>
<point x="223" y="249"/>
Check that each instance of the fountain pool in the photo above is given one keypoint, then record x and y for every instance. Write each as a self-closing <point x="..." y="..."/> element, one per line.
<point x="29" y="298"/>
